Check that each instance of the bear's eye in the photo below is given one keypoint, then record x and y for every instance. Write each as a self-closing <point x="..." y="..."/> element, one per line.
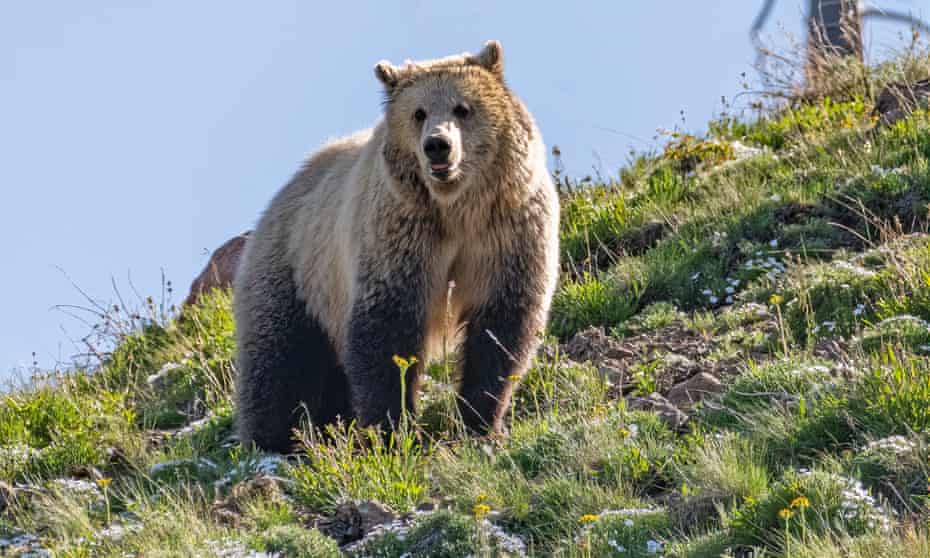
<point x="419" y="115"/>
<point x="461" y="110"/>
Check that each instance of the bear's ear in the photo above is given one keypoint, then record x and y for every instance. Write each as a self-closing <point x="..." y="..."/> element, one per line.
<point x="491" y="58"/>
<point x="387" y="74"/>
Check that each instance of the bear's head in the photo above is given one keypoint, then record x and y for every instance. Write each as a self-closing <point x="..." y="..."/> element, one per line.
<point x="447" y="120"/>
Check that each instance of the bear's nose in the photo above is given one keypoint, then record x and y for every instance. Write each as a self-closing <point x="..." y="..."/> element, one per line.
<point x="437" y="149"/>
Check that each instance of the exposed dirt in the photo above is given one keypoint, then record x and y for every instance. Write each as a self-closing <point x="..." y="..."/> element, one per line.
<point x="674" y="353"/>
<point x="677" y="359"/>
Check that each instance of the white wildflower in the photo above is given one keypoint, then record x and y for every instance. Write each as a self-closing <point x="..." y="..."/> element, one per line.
<point x="616" y="546"/>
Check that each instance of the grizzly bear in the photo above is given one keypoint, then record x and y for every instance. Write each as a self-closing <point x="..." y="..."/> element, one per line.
<point x="443" y="212"/>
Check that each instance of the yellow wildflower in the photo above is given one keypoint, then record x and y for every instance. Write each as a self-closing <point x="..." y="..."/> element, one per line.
<point x="588" y="518"/>
<point x="481" y="510"/>
<point x="785" y="514"/>
<point x="800" y="502"/>
<point x="481" y="498"/>
<point x="404" y="363"/>
<point x="104" y="482"/>
<point x="776" y="299"/>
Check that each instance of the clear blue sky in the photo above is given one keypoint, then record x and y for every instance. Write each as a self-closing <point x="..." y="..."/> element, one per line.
<point x="136" y="136"/>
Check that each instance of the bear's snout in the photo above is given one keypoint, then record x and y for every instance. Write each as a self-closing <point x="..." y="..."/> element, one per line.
<point x="437" y="149"/>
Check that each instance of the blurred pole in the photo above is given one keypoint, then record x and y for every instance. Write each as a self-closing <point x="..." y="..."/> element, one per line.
<point x="834" y="29"/>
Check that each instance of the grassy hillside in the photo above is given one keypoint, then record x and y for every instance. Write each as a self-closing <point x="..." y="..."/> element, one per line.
<point x="737" y="362"/>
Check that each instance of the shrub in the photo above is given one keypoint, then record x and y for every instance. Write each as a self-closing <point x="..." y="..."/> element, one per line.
<point x="442" y="535"/>
<point x="589" y="301"/>
<point x="808" y="503"/>
<point x="556" y="386"/>
<point x="636" y="533"/>
<point x="894" y="467"/>
<point x="298" y="542"/>
<point x="893" y="397"/>
<point x="347" y="463"/>
<point x="48" y="429"/>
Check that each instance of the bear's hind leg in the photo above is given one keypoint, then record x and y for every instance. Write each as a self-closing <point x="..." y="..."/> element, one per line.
<point x="286" y="367"/>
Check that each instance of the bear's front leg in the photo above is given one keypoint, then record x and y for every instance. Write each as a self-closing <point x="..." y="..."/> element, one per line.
<point x="388" y="319"/>
<point x="500" y="342"/>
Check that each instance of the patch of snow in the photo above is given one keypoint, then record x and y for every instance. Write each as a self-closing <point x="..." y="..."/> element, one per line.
<point x="162" y="372"/>
<point x="78" y="486"/>
<point x="201" y="463"/>
<point x="229" y="548"/>
<point x="742" y="151"/>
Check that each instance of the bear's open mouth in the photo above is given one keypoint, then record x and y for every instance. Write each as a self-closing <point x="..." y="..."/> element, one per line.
<point x="442" y="171"/>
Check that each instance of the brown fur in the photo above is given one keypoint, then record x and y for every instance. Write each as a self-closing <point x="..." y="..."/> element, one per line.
<point x="359" y="248"/>
<point x="220" y="270"/>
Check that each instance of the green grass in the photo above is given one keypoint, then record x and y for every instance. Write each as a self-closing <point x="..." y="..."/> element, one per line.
<point x="66" y="420"/>
<point x="800" y="274"/>
<point x="344" y="464"/>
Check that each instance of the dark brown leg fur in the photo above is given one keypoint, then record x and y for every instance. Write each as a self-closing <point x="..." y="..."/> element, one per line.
<point x="490" y="362"/>
<point x="286" y="363"/>
<point x="387" y="321"/>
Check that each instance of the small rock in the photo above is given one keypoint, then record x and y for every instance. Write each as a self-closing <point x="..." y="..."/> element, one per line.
<point x="612" y="371"/>
<point x="686" y="394"/>
<point x="593" y="344"/>
<point x="677" y="361"/>
<point x="426" y="506"/>
<point x="373" y="513"/>
<point x="229" y="510"/>
<point x="584" y="345"/>
<point x="676" y="366"/>
<point x="352" y="521"/>
<point x="654" y="402"/>
<point x="84" y="472"/>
